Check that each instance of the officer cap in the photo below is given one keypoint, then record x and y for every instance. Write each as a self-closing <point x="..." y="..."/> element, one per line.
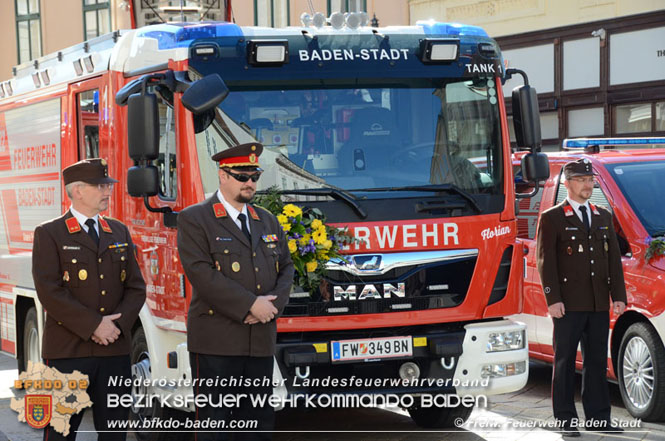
<point x="581" y="167"/>
<point x="243" y="155"/>
<point x="90" y="171"/>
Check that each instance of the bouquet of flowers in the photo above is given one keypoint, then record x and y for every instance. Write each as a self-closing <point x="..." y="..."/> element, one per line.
<point x="311" y="242"/>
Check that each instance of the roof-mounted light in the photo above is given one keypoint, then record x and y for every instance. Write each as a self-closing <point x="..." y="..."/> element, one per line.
<point x="440" y="50"/>
<point x="46" y="77"/>
<point x="2" y="90"/>
<point x="596" y="144"/>
<point x="336" y="20"/>
<point x="36" y="80"/>
<point x="487" y="49"/>
<point x="268" y="52"/>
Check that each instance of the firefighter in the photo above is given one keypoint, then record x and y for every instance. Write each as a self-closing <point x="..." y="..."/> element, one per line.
<point x="580" y="268"/>
<point x="90" y="284"/>
<point x="238" y="262"/>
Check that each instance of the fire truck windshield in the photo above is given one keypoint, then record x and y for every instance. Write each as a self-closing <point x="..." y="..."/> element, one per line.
<point x="366" y="135"/>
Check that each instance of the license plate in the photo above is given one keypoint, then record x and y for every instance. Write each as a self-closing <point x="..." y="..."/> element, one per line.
<point x="371" y="348"/>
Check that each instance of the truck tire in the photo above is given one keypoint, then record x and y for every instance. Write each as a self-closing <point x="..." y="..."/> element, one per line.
<point x="641" y="372"/>
<point x="30" y="341"/>
<point x="140" y="359"/>
<point x="440" y="417"/>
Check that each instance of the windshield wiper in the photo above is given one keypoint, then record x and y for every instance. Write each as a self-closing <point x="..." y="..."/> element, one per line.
<point x="658" y="233"/>
<point x="451" y="188"/>
<point x="333" y="193"/>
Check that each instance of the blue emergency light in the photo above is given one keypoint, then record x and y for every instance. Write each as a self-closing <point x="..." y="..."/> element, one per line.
<point x="596" y="143"/>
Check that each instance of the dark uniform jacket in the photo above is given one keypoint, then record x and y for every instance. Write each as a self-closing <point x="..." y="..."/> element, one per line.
<point x="227" y="273"/>
<point x="580" y="269"/>
<point x="78" y="283"/>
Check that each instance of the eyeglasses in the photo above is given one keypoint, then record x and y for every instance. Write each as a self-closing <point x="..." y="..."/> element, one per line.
<point x="102" y="187"/>
<point x="584" y="180"/>
<point x="243" y="178"/>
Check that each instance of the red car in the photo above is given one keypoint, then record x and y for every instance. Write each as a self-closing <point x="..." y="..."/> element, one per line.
<point x="630" y="183"/>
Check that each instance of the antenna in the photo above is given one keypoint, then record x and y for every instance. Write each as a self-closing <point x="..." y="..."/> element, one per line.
<point x="311" y="7"/>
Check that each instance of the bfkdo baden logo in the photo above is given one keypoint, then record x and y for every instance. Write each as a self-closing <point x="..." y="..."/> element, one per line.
<point x="38" y="410"/>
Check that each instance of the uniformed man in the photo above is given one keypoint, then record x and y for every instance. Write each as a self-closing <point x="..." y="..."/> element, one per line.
<point x="580" y="268"/>
<point x="237" y="260"/>
<point x="89" y="282"/>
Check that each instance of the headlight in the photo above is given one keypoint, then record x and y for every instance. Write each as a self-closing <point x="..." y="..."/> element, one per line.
<point x="503" y="369"/>
<point x="505" y="341"/>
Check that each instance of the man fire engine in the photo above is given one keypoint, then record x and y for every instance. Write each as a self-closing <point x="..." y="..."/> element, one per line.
<point x="397" y="133"/>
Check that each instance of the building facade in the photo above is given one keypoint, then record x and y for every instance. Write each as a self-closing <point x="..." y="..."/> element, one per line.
<point x="30" y="29"/>
<point x="598" y="65"/>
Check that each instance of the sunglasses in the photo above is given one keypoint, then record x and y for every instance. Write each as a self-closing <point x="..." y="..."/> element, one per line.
<point x="244" y="178"/>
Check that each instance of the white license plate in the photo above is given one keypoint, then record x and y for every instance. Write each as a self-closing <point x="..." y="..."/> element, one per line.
<point x="371" y="348"/>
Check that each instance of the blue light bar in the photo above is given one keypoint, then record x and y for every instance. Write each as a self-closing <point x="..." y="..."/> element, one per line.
<point x="582" y="143"/>
<point x="432" y="27"/>
<point x="170" y="36"/>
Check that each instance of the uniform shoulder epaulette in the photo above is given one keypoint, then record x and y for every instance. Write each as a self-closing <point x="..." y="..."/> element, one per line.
<point x="73" y="225"/>
<point x="105" y="225"/>
<point x="252" y="212"/>
<point x="219" y="210"/>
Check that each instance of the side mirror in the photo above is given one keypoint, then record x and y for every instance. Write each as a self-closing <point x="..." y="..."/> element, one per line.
<point x="535" y="167"/>
<point x="205" y="94"/>
<point x="526" y="117"/>
<point x="143" y="127"/>
<point x="143" y="181"/>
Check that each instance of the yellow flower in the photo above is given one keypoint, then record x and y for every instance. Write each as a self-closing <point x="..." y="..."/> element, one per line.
<point x="316" y="224"/>
<point x="305" y="239"/>
<point x="291" y="210"/>
<point x="322" y="254"/>
<point x="292" y="246"/>
<point x="320" y="236"/>
<point x="286" y="227"/>
<point x="282" y="219"/>
<point x="311" y="266"/>
<point x="327" y="244"/>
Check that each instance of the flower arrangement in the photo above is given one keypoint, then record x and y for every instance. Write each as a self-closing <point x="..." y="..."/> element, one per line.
<point x="311" y="241"/>
<point x="656" y="248"/>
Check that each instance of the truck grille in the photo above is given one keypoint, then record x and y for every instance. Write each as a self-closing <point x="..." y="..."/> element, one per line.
<point x="381" y="283"/>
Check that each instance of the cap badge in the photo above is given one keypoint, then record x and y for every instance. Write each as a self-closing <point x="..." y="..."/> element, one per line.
<point x="252" y="158"/>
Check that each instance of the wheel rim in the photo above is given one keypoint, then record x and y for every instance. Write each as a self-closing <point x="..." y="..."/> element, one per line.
<point x="140" y="377"/>
<point x="33" y="346"/>
<point x="638" y="371"/>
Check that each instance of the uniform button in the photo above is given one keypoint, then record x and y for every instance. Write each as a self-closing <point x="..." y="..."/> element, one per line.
<point x="101" y="276"/>
<point x="591" y="261"/>
<point x="565" y="279"/>
<point x="122" y="258"/>
<point x="211" y="312"/>
<point x="258" y="286"/>
<point x="226" y="251"/>
<point x="103" y="292"/>
<point x="99" y="260"/>
<point x="74" y="260"/>
<point x="60" y="323"/>
<point x="256" y="268"/>
<point x="253" y="254"/>
<point x="589" y="237"/>
<point x="101" y="310"/>
<point x="591" y="249"/>
<point x="592" y="273"/>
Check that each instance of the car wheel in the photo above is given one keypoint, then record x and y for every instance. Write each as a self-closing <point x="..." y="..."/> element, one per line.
<point x="641" y="372"/>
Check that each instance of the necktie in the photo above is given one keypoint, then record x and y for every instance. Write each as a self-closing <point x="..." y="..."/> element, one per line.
<point x="585" y="218"/>
<point x="243" y="226"/>
<point x="91" y="230"/>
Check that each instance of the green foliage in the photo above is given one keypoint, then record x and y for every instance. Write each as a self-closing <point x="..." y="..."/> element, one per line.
<point x="656" y="248"/>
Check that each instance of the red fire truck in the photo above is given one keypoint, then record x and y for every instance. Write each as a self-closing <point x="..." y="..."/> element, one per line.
<point x="627" y="184"/>
<point x="397" y="133"/>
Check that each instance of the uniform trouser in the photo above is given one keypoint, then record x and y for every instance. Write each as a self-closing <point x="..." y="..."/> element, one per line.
<point x="98" y="370"/>
<point x="234" y="369"/>
<point x="591" y="328"/>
